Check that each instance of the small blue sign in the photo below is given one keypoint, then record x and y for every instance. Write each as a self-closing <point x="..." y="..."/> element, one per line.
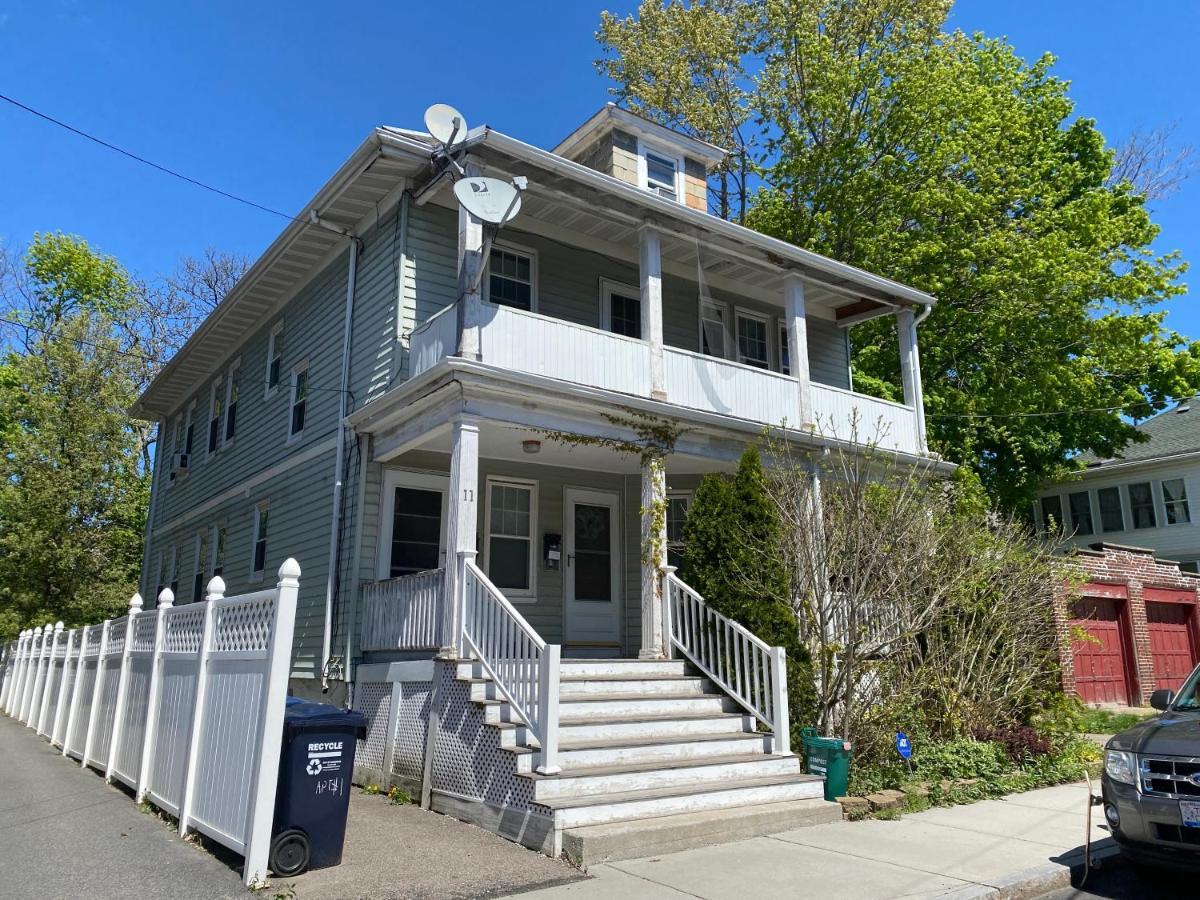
<point x="903" y="745"/>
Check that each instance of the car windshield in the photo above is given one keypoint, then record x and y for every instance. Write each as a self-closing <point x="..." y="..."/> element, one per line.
<point x="1189" y="695"/>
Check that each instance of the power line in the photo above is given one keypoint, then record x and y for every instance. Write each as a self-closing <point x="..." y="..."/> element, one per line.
<point x="164" y="169"/>
<point x="1032" y="415"/>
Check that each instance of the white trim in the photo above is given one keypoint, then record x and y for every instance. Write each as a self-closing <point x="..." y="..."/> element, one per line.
<point x="597" y="497"/>
<point x="741" y="312"/>
<point x="687" y="495"/>
<point x="1133" y="526"/>
<point x="423" y="481"/>
<point x="1186" y="501"/>
<point x="301" y="366"/>
<point x="257" y="575"/>
<point x="517" y="596"/>
<point x="214" y="539"/>
<point x="215" y="395"/>
<point x="608" y="287"/>
<point x="781" y="338"/>
<point x="703" y="302"/>
<point x="275" y="334"/>
<point x="231" y="375"/>
<point x="520" y="250"/>
<point x="1120" y="509"/>
<point x="1069" y="514"/>
<point x="661" y="151"/>
<point x="199" y="567"/>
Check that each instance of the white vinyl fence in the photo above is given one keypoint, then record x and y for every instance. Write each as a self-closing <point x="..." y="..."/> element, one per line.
<point x="184" y="704"/>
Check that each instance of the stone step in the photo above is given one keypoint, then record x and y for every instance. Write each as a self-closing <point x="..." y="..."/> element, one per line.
<point x="667" y="726"/>
<point x="699" y="796"/>
<point x="601" y="668"/>
<point x="654" y="775"/>
<point x="593" y="844"/>
<point x="608" y="706"/>
<point x="576" y="756"/>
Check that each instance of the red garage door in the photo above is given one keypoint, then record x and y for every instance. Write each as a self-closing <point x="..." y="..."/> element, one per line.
<point x="1101" y="658"/>
<point x="1171" y="644"/>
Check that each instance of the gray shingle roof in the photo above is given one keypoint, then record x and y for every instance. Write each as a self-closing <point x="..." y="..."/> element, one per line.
<point x="1175" y="431"/>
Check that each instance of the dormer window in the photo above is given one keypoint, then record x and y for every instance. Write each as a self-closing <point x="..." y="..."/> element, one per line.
<point x="662" y="174"/>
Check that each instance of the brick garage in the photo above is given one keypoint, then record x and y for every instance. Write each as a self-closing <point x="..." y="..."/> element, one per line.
<point x="1142" y="616"/>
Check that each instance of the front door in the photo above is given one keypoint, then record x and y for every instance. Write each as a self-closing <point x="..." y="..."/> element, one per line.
<point x="593" y="573"/>
<point x="412" y="537"/>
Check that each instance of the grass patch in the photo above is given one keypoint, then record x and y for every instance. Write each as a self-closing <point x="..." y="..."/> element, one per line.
<point x="1105" y="721"/>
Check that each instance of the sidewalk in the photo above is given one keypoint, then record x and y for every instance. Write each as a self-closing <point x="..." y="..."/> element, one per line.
<point x="963" y="851"/>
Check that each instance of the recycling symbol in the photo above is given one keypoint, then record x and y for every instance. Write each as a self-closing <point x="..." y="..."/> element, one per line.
<point x="314" y="767"/>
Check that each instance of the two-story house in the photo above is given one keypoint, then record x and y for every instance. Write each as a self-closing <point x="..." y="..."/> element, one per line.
<point x="431" y="422"/>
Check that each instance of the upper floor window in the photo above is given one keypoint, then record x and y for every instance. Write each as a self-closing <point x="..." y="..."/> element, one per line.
<point x="299" y="402"/>
<point x="1052" y="518"/>
<point x="785" y="359"/>
<point x="173" y="570"/>
<point x="510" y="278"/>
<point x="1175" y="501"/>
<point x="218" y="550"/>
<point x="1141" y="505"/>
<point x="712" y="328"/>
<point x="216" y="403"/>
<point x="231" y="400"/>
<point x="274" y="358"/>
<point x="510" y="521"/>
<point x="258" y="556"/>
<point x="164" y="577"/>
<point x="660" y="172"/>
<point x="752" y="340"/>
<point x="621" y="308"/>
<point x="201" y="561"/>
<point x="1112" y="516"/>
<point x="1080" y="504"/>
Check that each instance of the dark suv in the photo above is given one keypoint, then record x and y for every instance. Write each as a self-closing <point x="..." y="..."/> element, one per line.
<point x="1152" y="781"/>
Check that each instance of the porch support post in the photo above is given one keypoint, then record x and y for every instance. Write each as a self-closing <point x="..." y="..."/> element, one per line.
<point x="470" y="269"/>
<point x="654" y="557"/>
<point x="650" y="264"/>
<point x="461" y="528"/>
<point x="797" y="332"/>
<point x="910" y="369"/>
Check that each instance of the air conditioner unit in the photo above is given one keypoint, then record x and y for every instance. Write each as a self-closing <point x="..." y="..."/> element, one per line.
<point x="179" y="462"/>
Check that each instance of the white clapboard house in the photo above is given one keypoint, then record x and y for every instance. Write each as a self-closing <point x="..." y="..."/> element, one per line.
<point x="474" y="580"/>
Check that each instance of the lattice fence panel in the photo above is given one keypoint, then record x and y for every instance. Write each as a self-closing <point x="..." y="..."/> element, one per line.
<point x="374" y="699"/>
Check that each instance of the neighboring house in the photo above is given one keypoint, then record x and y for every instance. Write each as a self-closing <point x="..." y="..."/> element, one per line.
<point x="614" y="294"/>
<point x="1140" y="498"/>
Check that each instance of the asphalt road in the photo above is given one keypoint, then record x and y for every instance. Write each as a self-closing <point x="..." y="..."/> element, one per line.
<point x="1117" y="879"/>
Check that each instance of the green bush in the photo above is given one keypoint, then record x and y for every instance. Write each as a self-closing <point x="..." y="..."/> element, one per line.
<point x="961" y="757"/>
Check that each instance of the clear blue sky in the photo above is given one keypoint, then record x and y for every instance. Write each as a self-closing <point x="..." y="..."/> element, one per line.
<point x="266" y="99"/>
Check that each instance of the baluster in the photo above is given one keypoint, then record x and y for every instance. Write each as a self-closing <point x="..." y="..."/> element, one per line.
<point x="746" y="651"/>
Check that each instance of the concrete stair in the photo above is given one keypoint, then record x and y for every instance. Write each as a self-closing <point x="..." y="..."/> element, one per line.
<point x="654" y="758"/>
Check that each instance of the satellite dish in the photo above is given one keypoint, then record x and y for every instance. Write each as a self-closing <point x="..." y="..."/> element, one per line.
<point x="488" y="199"/>
<point x="446" y="124"/>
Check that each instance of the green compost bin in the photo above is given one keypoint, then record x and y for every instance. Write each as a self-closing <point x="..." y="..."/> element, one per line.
<point x="829" y="757"/>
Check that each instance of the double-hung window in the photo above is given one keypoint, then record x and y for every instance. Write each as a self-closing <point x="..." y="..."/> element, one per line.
<point x="274" y="359"/>
<point x="510" y="277"/>
<point x="712" y="328"/>
<point x="1052" y="518"/>
<point x="298" y="407"/>
<point x="216" y="406"/>
<point x="1112" y="516"/>
<point x="661" y="173"/>
<point x="201" y="561"/>
<point x="621" y="308"/>
<point x="231" y="400"/>
<point x="1141" y="505"/>
<point x="1175" y="501"/>
<point x="218" y="550"/>
<point x="258" y="553"/>
<point x="752" y="340"/>
<point x="511" y="520"/>
<point x="1080" y="504"/>
<point x="677" y="510"/>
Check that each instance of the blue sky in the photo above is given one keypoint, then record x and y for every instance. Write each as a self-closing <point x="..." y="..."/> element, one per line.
<point x="266" y="99"/>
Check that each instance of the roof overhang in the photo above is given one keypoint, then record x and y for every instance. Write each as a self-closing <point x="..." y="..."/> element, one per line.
<point x="611" y="116"/>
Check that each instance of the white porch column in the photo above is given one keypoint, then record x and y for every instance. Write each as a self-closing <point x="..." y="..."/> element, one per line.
<point x="797" y="332"/>
<point x="654" y="534"/>
<point x="470" y="290"/>
<point x="461" y="527"/>
<point x="650" y="265"/>
<point x="910" y="369"/>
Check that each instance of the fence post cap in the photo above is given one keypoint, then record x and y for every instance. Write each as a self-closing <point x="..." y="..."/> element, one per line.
<point x="290" y="570"/>
<point x="135" y="603"/>
<point x="59" y="626"/>
<point x="166" y="598"/>
<point x="216" y="588"/>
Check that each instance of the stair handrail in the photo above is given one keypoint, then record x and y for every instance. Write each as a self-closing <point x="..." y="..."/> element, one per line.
<point x="522" y="666"/>
<point x="738" y="661"/>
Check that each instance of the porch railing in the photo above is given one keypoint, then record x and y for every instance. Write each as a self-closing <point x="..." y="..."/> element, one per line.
<point x="403" y="613"/>
<point x="524" y="668"/>
<point x="740" y="663"/>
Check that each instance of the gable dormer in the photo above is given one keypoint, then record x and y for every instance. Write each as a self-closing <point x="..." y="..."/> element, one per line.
<point x="643" y="153"/>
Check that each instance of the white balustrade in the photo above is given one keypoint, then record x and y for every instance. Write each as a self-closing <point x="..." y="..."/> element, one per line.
<point x="719" y="386"/>
<point x="848" y="416"/>
<point x="433" y="340"/>
<point x="403" y="613"/>
<point x="740" y="663"/>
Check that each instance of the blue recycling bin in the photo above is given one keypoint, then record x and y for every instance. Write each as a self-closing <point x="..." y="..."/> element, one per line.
<point x="313" y="796"/>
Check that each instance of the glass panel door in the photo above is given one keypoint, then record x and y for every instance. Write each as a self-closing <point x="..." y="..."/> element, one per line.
<point x="416" y="531"/>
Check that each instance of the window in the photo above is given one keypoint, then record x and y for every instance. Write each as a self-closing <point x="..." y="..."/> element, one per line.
<point x="661" y="174"/>
<point x="1081" y="512"/>
<point x="1052" y="519"/>
<point x="785" y="359"/>
<point x="299" y="402"/>
<point x="163" y="576"/>
<point x="258" y="560"/>
<point x="1141" y="505"/>
<point x="1175" y="502"/>
<point x="510" y="278"/>
<point x="201" y="562"/>
<point x="189" y="429"/>
<point x="1189" y="566"/>
<point x="510" y="520"/>
<point x="218" y="550"/>
<point x="216" y="403"/>
<point x="1112" y="517"/>
<point x="173" y="571"/>
<point x="231" y="400"/>
<point x="274" y="359"/>
<point x="621" y="308"/>
<point x="412" y="532"/>
<point x="677" y="510"/>
<point x="752" y="340"/>
<point x="712" y="328"/>
<point x="173" y="449"/>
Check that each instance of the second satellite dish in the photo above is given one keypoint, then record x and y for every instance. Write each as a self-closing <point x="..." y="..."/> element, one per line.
<point x="446" y="124"/>
<point x="488" y="199"/>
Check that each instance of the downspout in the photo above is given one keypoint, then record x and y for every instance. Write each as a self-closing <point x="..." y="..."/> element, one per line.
<point x="339" y="461"/>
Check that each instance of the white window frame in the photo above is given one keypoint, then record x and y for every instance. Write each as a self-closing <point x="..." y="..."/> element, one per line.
<point x="739" y="313"/>
<point x="258" y="511"/>
<point x="703" y="302"/>
<point x="521" y="249"/>
<point x="173" y="570"/>
<point x="1043" y="524"/>
<point x="782" y="339"/>
<point x="1069" y="514"/>
<point x="516" y="596"/>
<point x="1120" y="507"/>
<point x="268" y="388"/>
<point x="608" y="287"/>
<point x="235" y="370"/>
<point x="200" y="565"/>
<point x="214" y="539"/>
<point x="299" y="367"/>
<point x="189" y="422"/>
<point x="420" y="481"/>
<point x="644" y="170"/>
<point x="1186" y="501"/>
<point x="215" y="390"/>
<point x="162" y="577"/>
<point x="1154" y="510"/>
<point x="689" y="496"/>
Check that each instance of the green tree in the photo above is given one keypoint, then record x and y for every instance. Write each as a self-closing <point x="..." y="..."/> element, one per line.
<point x="946" y="161"/>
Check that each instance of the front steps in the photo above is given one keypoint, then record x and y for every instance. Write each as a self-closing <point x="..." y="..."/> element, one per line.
<point x="653" y="759"/>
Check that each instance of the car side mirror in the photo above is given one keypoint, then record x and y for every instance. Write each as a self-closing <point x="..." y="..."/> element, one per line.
<point x="1161" y="699"/>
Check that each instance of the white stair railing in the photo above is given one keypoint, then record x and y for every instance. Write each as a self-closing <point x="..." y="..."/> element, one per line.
<point x="740" y="663"/>
<point x="524" y="668"/>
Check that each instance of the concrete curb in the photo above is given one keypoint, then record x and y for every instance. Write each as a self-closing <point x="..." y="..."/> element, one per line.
<point x="1032" y="882"/>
